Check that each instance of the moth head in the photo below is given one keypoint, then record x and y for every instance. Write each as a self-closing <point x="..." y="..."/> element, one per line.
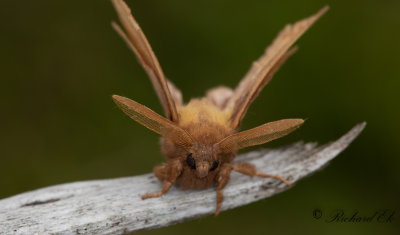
<point x="200" y="165"/>
<point x="198" y="160"/>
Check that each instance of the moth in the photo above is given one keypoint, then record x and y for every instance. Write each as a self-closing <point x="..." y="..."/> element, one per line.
<point x="200" y="139"/>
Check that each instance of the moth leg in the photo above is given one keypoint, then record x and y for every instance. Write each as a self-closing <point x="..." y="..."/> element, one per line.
<point x="250" y="170"/>
<point x="167" y="173"/>
<point x="159" y="171"/>
<point x="222" y="180"/>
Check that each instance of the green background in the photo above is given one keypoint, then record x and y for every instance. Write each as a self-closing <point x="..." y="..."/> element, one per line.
<point x="61" y="62"/>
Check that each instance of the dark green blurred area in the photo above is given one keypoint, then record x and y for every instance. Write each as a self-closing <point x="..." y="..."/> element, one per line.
<point x="61" y="62"/>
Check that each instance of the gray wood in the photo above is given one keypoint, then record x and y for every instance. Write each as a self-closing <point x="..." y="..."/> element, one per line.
<point x="114" y="206"/>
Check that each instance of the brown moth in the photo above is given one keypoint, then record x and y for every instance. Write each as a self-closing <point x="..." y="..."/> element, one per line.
<point x="200" y="139"/>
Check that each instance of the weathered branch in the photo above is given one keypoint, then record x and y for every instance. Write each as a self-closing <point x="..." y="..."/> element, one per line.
<point x="114" y="206"/>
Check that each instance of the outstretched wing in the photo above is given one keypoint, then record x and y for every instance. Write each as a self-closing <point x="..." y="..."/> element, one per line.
<point x="137" y="41"/>
<point x="153" y="121"/>
<point x="258" y="135"/>
<point x="264" y="68"/>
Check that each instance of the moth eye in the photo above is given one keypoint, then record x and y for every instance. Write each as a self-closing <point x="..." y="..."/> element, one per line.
<point x="190" y="161"/>
<point x="214" y="165"/>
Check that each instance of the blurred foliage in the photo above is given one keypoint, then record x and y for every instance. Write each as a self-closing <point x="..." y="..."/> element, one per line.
<point x="61" y="62"/>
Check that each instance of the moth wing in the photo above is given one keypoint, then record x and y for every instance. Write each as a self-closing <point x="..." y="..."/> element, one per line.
<point x="174" y="91"/>
<point x="136" y="40"/>
<point x="153" y="121"/>
<point x="258" y="135"/>
<point x="264" y="68"/>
